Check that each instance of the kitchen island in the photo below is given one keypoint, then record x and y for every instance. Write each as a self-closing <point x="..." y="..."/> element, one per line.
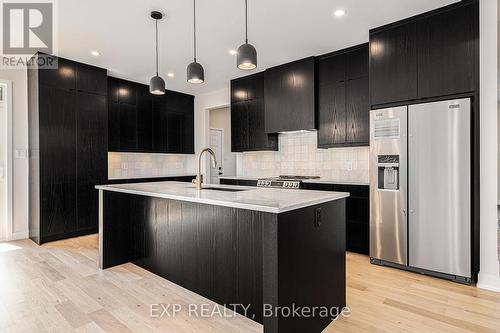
<point x="270" y="250"/>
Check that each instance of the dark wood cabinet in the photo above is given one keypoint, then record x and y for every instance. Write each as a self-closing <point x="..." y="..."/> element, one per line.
<point x="332" y="114"/>
<point x="446" y="49"/>
<point x="173" y="123"/>
<point x="290" y="96"/>
<point x="357" y="214"/>
<point x="67" y="111"/>
<point x="92" y="156"/>
<point x="427" y="56"/>
<point x="357" y="210"/>
<point x="141" y="122"/>
<point x="343" y="98"/>
<point x="358" y="112"/>
<point x="393" y="60"/>
<point x="248" y="116"/>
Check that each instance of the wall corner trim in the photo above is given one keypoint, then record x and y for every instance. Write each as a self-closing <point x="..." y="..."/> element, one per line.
<point x="488" y="282"/>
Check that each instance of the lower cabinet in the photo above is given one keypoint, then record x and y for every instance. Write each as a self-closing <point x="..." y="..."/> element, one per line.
<point x="357" y="210"/>
<point x="357" y="214"/>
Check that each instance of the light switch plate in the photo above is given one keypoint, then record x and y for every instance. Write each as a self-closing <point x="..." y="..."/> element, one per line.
<point x="21" y="153"/>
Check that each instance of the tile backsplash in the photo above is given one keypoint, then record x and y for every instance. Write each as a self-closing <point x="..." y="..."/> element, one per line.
<point x="140" y="165"/>
<point x="298" y="155"/>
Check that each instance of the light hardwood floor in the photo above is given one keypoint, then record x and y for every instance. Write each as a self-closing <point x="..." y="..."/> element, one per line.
<point x="58" y="288"/>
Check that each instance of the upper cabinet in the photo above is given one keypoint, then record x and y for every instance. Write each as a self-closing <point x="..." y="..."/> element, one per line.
<point x="248" y="116"/>
<point x="141" y="122"/>
<point x="447" y="42"/>
<point x="431" y="55"/>
<point x="393" y="64"/>
<point x="343" y="98"/>
<point x="290" y="97"/>
<point x="173" y="123"/>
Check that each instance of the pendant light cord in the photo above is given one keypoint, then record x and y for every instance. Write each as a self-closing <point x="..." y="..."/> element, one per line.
<point x="194" y="29"/>
<point x="246" y="22"/>
<point x="156" y="20"/>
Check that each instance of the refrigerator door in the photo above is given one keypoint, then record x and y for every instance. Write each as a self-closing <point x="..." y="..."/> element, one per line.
<point x="388" y="180"/>
<point x="439" y="196"/>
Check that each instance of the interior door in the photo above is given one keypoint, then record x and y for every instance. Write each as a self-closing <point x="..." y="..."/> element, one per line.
<point x="440" y="187"/>
<point x="216" y="137"/>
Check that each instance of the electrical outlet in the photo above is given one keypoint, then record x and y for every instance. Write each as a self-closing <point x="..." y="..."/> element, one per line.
<point x="348" y="165"/>
<point x="124" y="166"/>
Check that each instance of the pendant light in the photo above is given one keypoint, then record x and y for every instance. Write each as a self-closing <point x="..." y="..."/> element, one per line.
<point x="156" y="84"/>
<point x="195" y="72"/>
<point x="247" y="55"/>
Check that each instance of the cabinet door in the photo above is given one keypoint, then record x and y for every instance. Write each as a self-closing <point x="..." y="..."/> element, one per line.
<point x="255" y="86"/>
<point x="332" y="70"/>
<point x="188" y="145"/>
<point x="273" y="92"/>
<point x="113" y="126"/>
<point x="258" y="138"/>
<point x="175" y="131"/>
<point x="160" y="124"/>
<point x="57" y="119"/>
<point x="358" y="63"/>
<point x="63" y="77"/>
<point x="332" y="114"/>
<point x="239" y="91"/>
<point x="393" y="65"/>
<point x="91" y="79"/>
<point x="358" y="111"/>
<point x="144" y="119"/>
<point x="92" y="156"/>
<point x="290" y="96"/>
<point x="447" y="52"/>
<point x="128" y="127"/>
<point x="239" y="127"/>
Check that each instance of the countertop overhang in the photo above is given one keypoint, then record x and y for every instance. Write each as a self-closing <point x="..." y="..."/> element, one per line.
<point x="268" y="200"/>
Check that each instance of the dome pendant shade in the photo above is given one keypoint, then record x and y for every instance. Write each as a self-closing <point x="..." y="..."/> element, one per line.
<point x="157" y="85"/>
<point x="247" y="57"/>
<point x="195" y="73"/>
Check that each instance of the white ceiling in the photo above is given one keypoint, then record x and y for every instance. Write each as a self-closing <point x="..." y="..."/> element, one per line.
<point x="281" y="30"/>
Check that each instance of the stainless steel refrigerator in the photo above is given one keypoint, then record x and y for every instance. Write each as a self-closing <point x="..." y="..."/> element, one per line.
<point x="420" y="188"/>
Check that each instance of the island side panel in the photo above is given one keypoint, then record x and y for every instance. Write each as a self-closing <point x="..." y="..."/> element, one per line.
<point x="305" y="265"/>
<point x="214" y="251"/>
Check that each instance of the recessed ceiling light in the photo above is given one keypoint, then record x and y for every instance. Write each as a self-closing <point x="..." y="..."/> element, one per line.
<point x="339" y="13"/>
<point x="95" y="53"/>
<point x="233" y="52"/>
<point x="171" y="75"/>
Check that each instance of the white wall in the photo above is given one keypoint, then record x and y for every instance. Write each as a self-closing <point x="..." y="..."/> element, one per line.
<point x="299" y="155"/>
<point x="221" y="119"/>
<point x="202" y="104"/>
<point x="20" y="141"/>
<point x="489" y="273"/>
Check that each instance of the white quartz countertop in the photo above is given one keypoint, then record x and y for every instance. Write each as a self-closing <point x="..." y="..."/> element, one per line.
<point x="310" y="181"/>
<point x="269" y="200"/>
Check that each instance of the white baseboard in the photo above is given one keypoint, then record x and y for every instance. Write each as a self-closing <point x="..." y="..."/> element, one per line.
<point x="19" y="235"/>
<point x="488" y="282"/>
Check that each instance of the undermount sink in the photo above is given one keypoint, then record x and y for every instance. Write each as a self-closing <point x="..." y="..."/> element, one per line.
<point x="222" y="189"/>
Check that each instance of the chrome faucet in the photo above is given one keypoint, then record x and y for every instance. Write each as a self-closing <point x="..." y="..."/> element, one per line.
<point x="198" y="182"/>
